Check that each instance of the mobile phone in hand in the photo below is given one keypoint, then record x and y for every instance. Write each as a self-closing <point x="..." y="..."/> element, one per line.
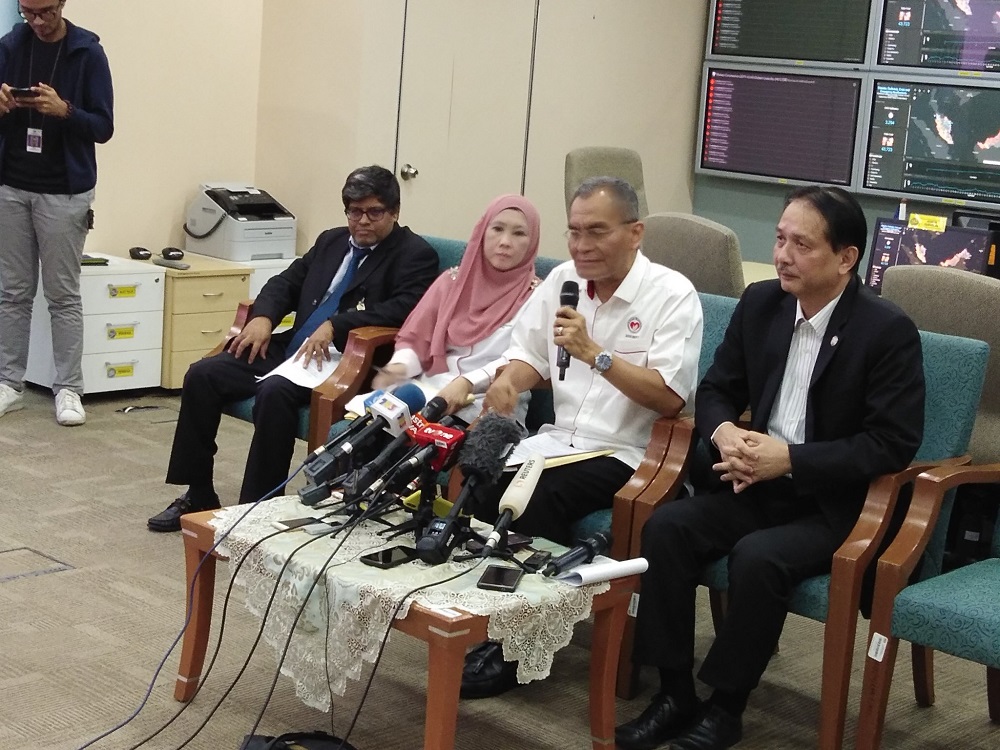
<point x="23" y="93"/>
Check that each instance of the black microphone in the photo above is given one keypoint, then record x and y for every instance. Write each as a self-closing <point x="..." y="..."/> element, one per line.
<point x="482" y="460"/>
<point x="582" y="553"/>
<point x="569" y="296"/>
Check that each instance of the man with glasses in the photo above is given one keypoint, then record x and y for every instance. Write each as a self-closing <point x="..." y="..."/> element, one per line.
<point x="634" y="340"/>
<point x="56" y="103"/>
<point x="370" y="273"/>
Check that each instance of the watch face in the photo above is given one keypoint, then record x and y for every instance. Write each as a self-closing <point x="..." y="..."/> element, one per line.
<point x="602" y="362"/>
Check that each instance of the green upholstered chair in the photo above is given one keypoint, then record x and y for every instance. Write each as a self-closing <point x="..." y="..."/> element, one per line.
<point x="707" y="252"/>
<point x="604" y="161"/>
<point x="954" y="369"/>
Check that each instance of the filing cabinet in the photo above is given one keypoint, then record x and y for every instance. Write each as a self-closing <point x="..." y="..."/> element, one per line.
<point x="199" y="306"/>
<point x="122" y="327"/>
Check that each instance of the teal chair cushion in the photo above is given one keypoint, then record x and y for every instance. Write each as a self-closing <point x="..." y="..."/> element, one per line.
<point x="954" y="369"/>
<point x="244" y="410"/>
<point x="958" y="613"/>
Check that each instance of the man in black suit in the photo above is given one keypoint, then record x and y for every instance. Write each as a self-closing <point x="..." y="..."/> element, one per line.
<point x="833" y="378"/>
<point x="370" y="273"/>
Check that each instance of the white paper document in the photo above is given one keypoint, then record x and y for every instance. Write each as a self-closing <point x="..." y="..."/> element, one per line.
<point x="549" y="447"/>
<point x="602" y="569"/>
<point x="309" y="377"/>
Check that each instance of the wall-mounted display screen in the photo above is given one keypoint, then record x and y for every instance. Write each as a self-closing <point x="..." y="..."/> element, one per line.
<point x="814" y="30"/>
<point x="779" y="125"/>
<point x="934" y="139"/>
<point x="895" y="244"/>
<point x="942" y="34"/>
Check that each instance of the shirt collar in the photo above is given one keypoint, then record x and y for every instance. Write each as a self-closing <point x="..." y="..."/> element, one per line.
<point x="820" y="320"/>
<point x="628" y="290"/>
<point x="355" y="246"/>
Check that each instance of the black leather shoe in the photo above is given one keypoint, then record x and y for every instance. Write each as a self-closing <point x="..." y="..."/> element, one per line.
<point x="486" y="673"/>
<point x="662" y="720"/>
<point x="170" y="519"/>
<point x="717" y="730"/>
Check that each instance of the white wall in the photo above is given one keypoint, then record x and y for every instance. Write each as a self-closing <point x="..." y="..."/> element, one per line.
<point x="186" y="75"/>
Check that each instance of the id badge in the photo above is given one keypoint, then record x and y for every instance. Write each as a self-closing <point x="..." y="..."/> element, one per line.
<point x="34" y="144"/>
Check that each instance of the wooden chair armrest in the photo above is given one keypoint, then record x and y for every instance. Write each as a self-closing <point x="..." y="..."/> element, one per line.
<point x="658" y="479"/>
<point x="243" y="311"/>
<point x="329" y="398"/>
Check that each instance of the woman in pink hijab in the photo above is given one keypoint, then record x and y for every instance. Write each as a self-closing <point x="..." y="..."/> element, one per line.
<point x="461" y="327"/>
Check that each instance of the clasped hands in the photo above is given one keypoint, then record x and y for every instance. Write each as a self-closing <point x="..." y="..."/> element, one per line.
<point x="749" y="457"/>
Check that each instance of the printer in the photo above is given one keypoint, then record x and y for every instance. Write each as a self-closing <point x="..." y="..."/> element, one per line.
<point x="238" y="222"/>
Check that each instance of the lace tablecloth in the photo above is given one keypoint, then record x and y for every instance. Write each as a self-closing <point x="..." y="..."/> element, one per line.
<point x="532" y="623"/>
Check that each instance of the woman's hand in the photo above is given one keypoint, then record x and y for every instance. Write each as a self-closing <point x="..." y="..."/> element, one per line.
<point x="389" y="376"/>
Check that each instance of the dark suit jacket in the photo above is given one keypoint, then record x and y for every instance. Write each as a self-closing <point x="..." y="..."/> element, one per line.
<point x="384" y="290"/>
<point x="865" y="409"/>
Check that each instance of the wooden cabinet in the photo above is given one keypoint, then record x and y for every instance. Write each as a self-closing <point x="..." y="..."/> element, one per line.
<point x="198" y="309"/>
<point x="122" y="328"/>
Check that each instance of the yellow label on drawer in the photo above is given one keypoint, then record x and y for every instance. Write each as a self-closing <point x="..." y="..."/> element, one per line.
<point x="121" y="290"/>
<point x="121" y="371"/>
<point x="121" y="332"/>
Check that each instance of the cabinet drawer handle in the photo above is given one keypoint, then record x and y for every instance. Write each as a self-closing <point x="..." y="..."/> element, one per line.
<point x="212" y="294"/>
<point x="217" y="330"/>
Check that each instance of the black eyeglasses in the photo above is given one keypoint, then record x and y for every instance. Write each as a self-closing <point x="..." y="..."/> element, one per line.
<point x="46" y="14"/>
<point x="376" y="213"/>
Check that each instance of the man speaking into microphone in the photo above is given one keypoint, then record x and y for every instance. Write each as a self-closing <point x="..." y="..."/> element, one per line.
<point x="633" y="342"/>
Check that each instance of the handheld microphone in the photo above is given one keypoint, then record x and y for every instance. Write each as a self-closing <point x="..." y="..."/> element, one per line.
<point x="569" y="296"/>
<point x="514" y="500"/>
<point x="482" y="460"/>
<point x="389" y="412"/>
<point x="434" y="446"/>
<point x="582" y="553"/>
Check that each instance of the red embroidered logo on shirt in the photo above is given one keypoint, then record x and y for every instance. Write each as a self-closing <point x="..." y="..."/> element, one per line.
<point x="634" y="324"/>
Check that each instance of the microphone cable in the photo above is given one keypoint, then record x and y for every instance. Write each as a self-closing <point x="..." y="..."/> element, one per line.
<point x="187" y="620"/>
<point x="222" y="626"/>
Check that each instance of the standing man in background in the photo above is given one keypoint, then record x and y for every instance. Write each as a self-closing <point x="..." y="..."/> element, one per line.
<point x="56" y="102"/>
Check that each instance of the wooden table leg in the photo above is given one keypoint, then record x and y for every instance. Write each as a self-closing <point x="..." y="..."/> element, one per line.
<point x="200" y="608"/>
<point x="609" y="625"/>
<point x="445" y="658"/>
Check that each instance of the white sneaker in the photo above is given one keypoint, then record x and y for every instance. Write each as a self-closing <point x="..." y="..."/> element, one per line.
<point x="69" y="410"/>
<point x="10" y="400"/>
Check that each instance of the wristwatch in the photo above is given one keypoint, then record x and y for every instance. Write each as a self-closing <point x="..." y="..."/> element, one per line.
<point x="602" y="362"/>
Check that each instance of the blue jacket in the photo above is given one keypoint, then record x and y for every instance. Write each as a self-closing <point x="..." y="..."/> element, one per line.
<point x="84" y="80"/>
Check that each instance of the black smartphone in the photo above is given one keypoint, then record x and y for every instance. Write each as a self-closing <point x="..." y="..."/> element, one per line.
<point x="310" y="525"/>
<point x="500" y="578"/>
<point x="23" y="93"/>
<point x="389" y="558"/>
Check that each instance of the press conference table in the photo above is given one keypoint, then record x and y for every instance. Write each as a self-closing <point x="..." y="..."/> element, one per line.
<point x="448" y="635"/>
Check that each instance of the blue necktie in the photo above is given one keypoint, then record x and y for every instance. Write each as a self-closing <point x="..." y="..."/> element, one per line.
<point x="325" y="310"/>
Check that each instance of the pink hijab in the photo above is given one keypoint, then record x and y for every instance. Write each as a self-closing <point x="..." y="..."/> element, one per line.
<point x="470" y="306"/>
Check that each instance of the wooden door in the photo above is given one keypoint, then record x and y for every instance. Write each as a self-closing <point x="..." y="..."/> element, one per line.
<point x="463" y="111"/>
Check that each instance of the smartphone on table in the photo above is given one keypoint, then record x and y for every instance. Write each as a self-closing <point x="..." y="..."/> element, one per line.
<point x="310" y="525"/>
<point x="500" y="578"/>
<point x="390" y="558"/>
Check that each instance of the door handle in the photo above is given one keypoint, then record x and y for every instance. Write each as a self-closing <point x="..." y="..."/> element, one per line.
<point x="408" y="172"/>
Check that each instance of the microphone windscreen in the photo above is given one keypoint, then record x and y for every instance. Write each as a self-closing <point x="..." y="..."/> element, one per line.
<point x="515" y="498"/>
<point x="411" y="395"/>
<point x="569" y="295"/>
<point x="486" y="448"/>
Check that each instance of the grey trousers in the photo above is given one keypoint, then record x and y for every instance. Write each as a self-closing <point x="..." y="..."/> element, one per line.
<point x="46" y="230"/>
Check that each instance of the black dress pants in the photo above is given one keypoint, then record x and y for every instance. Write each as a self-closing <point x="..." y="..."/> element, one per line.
<point x="774" y="539"/>
<point x="564" y="495"/>
<point x="209" y="385"/>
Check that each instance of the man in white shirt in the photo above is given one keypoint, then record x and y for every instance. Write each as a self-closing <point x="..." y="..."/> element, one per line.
<point x="634" y="340"/>
<point x="833" y="378"/>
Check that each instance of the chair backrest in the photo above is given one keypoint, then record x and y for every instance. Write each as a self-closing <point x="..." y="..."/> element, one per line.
<point x="705" y="251"/>
<point x="601" y="161"/>
<point x="959" y="303"/>
<point x="717" y="312"/>
<point x="954" y="372"/>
